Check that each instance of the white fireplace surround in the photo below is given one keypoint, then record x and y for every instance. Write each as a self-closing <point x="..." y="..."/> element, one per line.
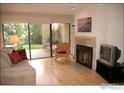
<point x="88" y="41"/>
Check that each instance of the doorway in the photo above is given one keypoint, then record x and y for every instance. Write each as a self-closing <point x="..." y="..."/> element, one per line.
<point x="39" y="40"/>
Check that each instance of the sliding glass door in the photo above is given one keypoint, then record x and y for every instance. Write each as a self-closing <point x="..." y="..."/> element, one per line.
<point x="16" y="36"/>
<point x="60" y="33"/>
<point x="39" y="40"/>
<point x="45" y="37"/>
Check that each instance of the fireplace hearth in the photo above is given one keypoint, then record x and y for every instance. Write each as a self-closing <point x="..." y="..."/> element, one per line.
<point x="84" y="55"/>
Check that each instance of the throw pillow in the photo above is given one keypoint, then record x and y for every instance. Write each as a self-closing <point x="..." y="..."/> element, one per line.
<point x="15" y="57"/>
<point x="61" y="52"/>
<point x="22" y="53"/>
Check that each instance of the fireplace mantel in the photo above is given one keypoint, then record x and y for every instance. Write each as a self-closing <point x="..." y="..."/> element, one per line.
<point x="88" y="41"/>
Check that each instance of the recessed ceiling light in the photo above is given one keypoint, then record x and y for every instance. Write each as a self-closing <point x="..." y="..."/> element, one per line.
<point x="72" y="8"/>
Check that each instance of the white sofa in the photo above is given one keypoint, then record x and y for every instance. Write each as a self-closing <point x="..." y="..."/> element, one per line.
<point x="21" y="73"/>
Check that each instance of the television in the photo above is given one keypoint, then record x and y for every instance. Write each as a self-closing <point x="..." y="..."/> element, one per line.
<point x="109" y="54"/>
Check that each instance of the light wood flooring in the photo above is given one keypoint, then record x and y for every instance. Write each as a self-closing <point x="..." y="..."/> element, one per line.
<point x="49" y="72"/>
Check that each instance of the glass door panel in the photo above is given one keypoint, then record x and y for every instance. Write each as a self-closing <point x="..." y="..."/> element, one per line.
<point x="39" y="40"/>
<point x="16" y="36"/>
<point x="60" y="33"/>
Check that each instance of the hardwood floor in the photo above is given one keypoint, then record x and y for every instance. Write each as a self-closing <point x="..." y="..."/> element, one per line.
<point x="49" y="72"/>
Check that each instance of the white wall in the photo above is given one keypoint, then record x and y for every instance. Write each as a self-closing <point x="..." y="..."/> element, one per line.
<point x="115" y="34"/>
<point x="65" y="32"/>
<point x="107" y="24"/>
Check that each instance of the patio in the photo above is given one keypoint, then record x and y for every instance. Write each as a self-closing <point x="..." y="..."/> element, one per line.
<point x="40" y="53"/>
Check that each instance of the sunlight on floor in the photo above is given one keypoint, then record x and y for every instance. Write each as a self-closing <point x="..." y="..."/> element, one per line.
<point x="39" y="67"/>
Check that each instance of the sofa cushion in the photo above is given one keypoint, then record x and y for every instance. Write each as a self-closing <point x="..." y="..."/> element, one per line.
<point x="5" y="60"/>
<point x="15" y="57"/>
<point x="23" y="75"/>
<point x="8" y="50"/>
<point x="22" y="63"/>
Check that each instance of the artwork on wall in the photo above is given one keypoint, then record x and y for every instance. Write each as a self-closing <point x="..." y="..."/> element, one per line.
<point x="84" y="24"/>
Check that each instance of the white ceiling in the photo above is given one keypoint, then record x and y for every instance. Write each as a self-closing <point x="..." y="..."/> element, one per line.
<point x="63" y="9"/>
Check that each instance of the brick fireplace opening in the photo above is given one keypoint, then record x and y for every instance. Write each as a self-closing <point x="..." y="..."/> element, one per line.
<point x="84" y="55"/>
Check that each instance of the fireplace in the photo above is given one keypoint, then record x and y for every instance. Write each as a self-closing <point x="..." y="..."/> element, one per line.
<point x="84" y="55"/>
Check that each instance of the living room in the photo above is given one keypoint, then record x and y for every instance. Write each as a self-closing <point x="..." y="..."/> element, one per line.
<point x="106" y="27"/>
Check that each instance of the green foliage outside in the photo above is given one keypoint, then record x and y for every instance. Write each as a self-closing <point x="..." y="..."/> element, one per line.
<point x="33" y="46"/>
<point x="36" y="34"/>
<point x="21" y="30"/>
<point x="56" y="35"/>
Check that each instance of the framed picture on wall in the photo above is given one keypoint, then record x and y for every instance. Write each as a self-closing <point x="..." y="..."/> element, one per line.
<point x="84" y="24"/>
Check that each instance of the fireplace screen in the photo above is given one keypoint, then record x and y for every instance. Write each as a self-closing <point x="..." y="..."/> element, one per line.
<point x="84" y="55"/>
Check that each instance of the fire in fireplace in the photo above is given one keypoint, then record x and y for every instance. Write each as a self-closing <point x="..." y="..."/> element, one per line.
<point x="84" y="55"/>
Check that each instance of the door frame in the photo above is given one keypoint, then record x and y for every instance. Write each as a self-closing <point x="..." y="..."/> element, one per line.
<point x="29" y="36"/>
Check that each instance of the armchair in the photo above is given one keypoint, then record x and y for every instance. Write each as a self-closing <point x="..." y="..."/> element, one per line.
<point x="62" y="51"/>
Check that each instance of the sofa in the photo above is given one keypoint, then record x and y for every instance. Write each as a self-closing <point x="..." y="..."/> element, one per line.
<point x="21" y="73"/>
